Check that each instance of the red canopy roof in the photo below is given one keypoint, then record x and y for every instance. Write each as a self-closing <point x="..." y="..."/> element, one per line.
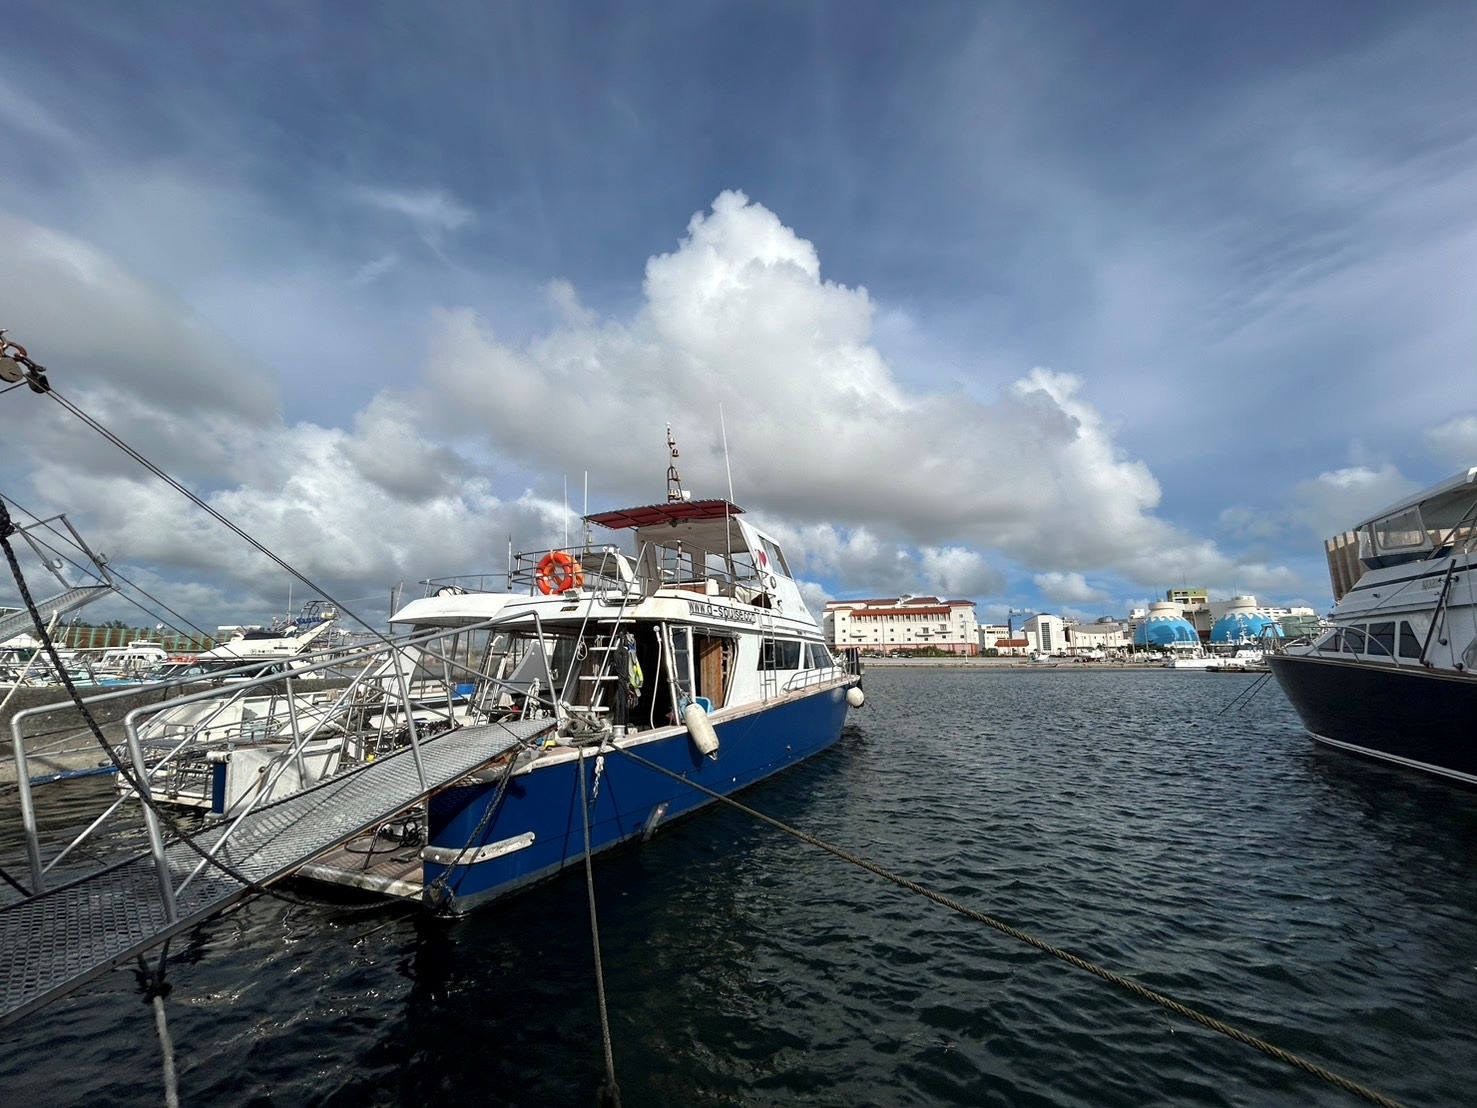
<point x="674" y="511"/>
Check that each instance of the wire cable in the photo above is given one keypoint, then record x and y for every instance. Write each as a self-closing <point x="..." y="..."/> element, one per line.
<point x="211" y="511"/>
<point x="115" y="572"/>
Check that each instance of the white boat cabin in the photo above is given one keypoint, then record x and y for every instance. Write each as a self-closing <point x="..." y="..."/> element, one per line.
<point x="705" y="609"/>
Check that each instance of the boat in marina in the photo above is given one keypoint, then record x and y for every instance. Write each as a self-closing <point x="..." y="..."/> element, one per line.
<point x="691" y="657"/>
<point x="1394" y="676"/>
<point x="497" y="737"/>
<point x="254" y="651"/>
<point x="1243" y="659"/>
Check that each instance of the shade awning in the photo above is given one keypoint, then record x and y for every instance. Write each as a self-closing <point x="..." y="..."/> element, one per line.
<point x="674" y="511"/>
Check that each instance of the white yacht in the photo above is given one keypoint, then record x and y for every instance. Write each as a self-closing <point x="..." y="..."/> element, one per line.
<point x="1393" y="677"/>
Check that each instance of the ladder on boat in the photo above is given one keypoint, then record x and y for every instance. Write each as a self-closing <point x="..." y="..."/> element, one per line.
<point x="54" y="941"/>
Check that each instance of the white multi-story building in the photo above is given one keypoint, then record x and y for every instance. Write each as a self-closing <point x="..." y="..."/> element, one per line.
<point x="1046" y="633"/>
<point x="904" y="624"/>
<point x="1103" y="635"/>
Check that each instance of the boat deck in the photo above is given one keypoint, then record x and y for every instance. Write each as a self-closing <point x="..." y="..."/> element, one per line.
<point x="387" y="869"/>
<point x="54" y="941"/>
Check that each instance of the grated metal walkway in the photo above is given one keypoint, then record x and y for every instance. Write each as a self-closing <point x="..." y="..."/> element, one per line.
<point x="54" y="942"/>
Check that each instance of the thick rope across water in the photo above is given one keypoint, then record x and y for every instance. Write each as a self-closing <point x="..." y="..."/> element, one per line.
<point x="610" y="1092"/>
<point x="1127" y="984"/>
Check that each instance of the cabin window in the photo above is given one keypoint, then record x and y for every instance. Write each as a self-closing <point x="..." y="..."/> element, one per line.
<point x="1331" y="640"/>
<point x="819" y="657"/>
<point x="780" y="654"/>
<point x="1401" y="531"/>
<point x="776" y="557"/>
<point x="1353" y="640"/>
<point x="1410" y="643"/>
<point x="1382" y="639"/>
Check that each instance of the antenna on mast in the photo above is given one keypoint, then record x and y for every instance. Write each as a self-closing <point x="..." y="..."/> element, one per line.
<point x="728" y="469"/>
<point x="589" y="530"/>
<point x="675" y="491"/>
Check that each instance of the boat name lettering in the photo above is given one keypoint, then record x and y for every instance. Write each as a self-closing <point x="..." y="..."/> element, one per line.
<point x="718" y="611"/>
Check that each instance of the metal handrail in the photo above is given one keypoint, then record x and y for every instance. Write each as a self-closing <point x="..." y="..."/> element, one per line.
<point x="377" y="662"/>
<point x="805" y="678"/>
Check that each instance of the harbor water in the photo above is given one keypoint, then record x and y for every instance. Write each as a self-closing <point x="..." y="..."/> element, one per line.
<point x="1322" y="902"/>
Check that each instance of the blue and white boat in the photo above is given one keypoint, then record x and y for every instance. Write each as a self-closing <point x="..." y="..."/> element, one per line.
<point x="690" y="657"/>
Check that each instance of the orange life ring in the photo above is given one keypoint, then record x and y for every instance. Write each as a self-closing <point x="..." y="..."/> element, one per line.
<point x="559" y="572"/>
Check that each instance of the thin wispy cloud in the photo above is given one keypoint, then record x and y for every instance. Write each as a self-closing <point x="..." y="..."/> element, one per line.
<point x="431" y="213"/>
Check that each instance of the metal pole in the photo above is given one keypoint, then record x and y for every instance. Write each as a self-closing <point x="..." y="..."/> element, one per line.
<point x="151" y="821"/>
<point x="415" y="742"/>
<point x="28" y="809"/>
<point x="297" y="743"/>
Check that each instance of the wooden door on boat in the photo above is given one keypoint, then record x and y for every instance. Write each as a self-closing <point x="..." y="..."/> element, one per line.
<point x="714" y="657"/>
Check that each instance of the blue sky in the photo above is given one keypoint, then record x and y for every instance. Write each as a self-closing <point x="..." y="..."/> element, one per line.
<point x="1050" y="305"/>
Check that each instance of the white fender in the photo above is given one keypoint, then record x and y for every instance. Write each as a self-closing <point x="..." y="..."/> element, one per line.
<point x="855" y="697"/>
<point x="700" y="727"/>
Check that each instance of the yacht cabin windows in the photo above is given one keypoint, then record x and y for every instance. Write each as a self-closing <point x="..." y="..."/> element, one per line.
<point x="794" y="654"/>
<point x="1401" y="532"/>
<point x="1382" y="639"/>
<point x="780" y="654"/>
<point x="775" y="556"/>
<point x="1385" y="640"/>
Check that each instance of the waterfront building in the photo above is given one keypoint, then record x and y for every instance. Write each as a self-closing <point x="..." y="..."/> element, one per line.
<point x="1105" y="634"/>
<point x="1242" y="623"/>
<point x="1046" y="633"/>
<point x="1188" y="598"/>
<point x="1002" y="640"/>
<point x="1164" y="626"/>
<point x="905" y="625"/>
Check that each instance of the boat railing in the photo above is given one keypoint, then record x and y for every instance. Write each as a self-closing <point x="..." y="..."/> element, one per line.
<point x="601" y="569"/>
<point x="467" y="582"/>
<point x="809" y="678"/>
<point x="379" y="701"/>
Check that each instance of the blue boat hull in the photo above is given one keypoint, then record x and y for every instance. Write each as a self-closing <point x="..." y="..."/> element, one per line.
<point x="631" y="801"/>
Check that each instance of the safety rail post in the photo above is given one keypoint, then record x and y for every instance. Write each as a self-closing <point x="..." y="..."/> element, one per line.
<point x="561" y="717"/>
<point x="151" y="823"/>
<point x="415" y="742"/>
<point x="28" y="807"/>
<point x="265" y="789"/>
<point x="297" y="739"/>
<point x="446" y="677"/>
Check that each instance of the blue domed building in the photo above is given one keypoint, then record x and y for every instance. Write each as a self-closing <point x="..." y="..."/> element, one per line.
<point x="1243" y="624"/>
<point x="1165" y="628"/>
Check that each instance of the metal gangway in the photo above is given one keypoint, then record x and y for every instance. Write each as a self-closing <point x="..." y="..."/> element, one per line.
<point x="57" y="938"/>
<point x="72" y="596"/>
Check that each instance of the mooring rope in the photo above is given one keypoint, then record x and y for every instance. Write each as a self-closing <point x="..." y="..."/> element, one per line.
<point x="154" y="988"/>
<point x="171" y="1079"/>
<point x="1245" y="695"/>
<point x="1127" y="984"/>
<point x="610" y="1092"/>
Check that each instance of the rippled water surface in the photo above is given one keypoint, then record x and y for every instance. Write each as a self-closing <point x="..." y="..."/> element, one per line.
<point x="1323" y="902"/>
